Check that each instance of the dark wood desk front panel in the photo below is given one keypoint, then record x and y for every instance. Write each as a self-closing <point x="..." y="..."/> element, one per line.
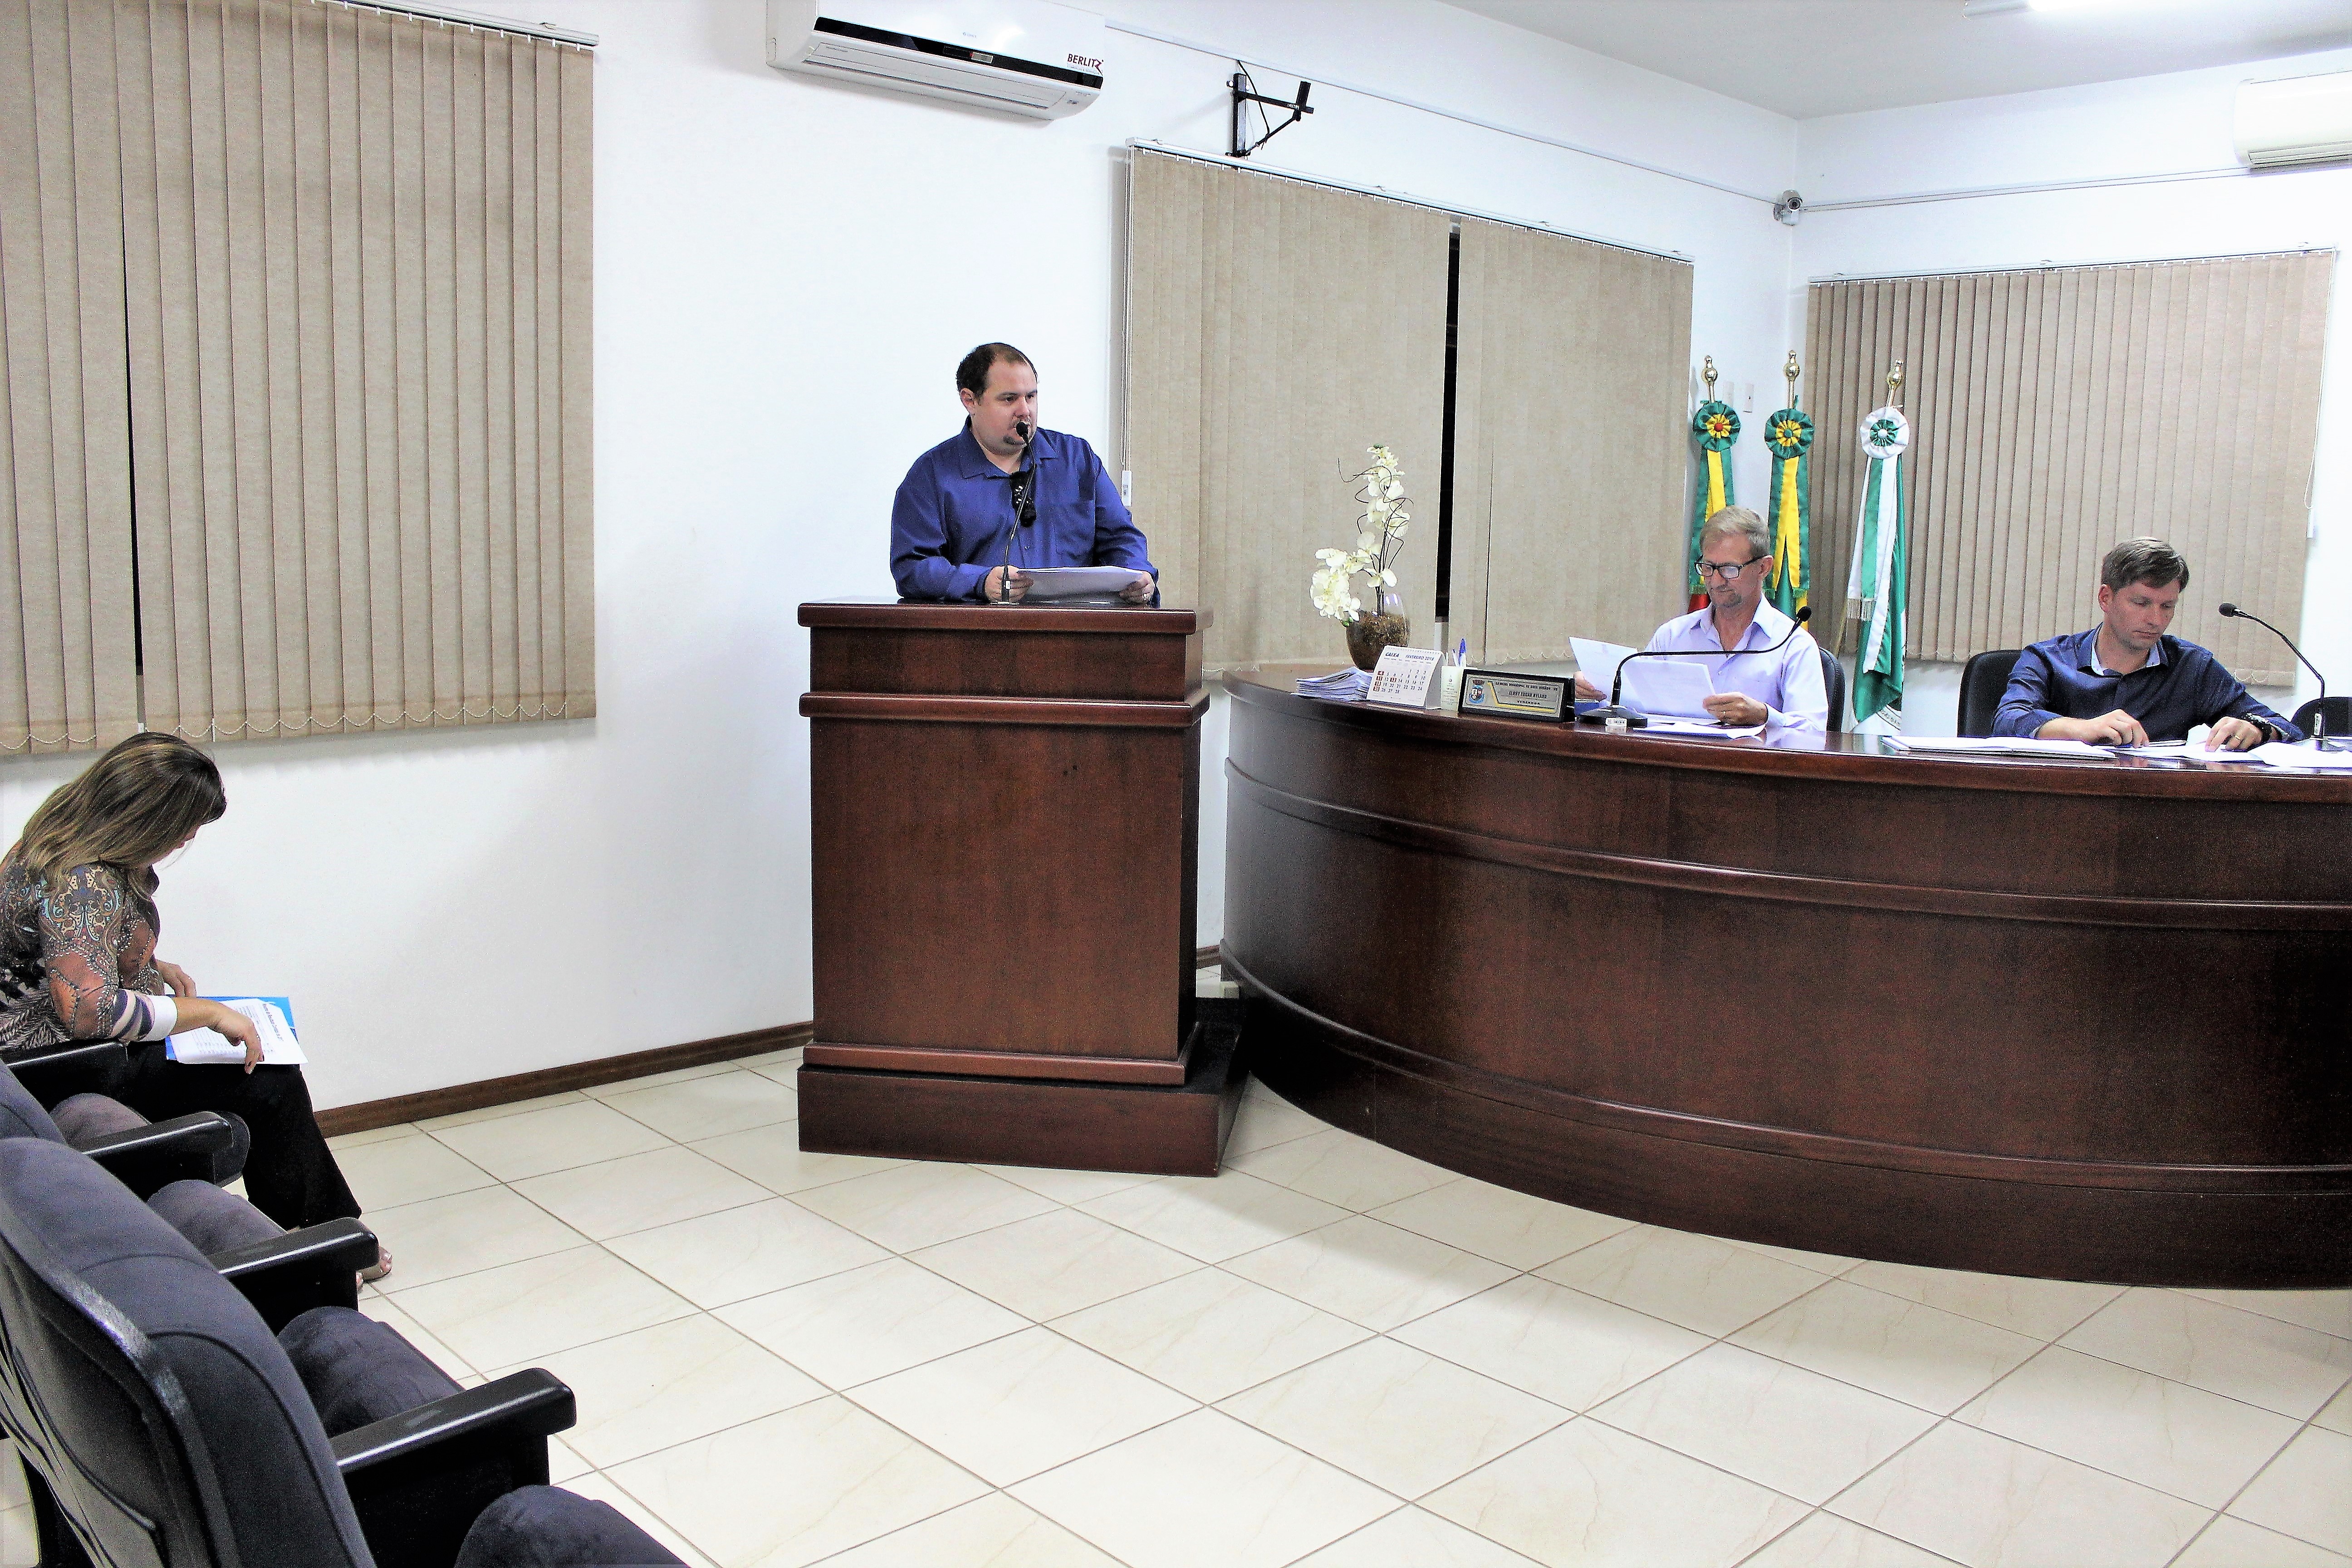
<point x="2078" y="1021"/>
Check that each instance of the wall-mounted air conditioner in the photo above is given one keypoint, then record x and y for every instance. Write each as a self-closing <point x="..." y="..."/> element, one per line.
<point x="1024" y="57"/>
<point x="2300" y="120"/>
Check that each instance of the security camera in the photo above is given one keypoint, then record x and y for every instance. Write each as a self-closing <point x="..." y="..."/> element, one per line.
<point x="1789" y="208"/>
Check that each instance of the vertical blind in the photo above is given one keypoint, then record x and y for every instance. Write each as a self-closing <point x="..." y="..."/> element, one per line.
<point x="1276" y="331"/>
<point x="1570" y="442"/>
<point x="2058" y="411"/>
<point x="343" y="368"/>
<point x="67" y="640"/>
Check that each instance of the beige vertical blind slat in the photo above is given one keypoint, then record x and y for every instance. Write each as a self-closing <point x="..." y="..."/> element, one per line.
<point x="1276" y="329"/>
<point x="68" y="675"/>
<point x="2056" y="412"/>
<point x="360" y="290"/>
<point x="1568" y="441"/>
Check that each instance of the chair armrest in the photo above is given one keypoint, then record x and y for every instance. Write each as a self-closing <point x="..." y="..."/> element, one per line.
<point x="531" y="1405"/>
<point x="184" y="1148"/>
<point x="287" y="1274"/>
<point x="50" y="1073"/>
<point x="418" y="1480"/>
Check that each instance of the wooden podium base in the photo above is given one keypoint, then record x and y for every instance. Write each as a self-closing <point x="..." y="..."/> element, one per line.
<point x="1174" y="1130"/>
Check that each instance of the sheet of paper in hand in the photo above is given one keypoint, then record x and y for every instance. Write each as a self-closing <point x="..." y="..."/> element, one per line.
<point x="273" y="1020"/>
<point x="1075" y="582"/>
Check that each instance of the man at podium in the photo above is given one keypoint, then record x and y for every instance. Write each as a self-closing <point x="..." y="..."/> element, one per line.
<point x="1002" y="495"/>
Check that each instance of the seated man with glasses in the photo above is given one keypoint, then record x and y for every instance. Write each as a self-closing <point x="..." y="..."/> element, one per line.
<point x="1783" y="687"/>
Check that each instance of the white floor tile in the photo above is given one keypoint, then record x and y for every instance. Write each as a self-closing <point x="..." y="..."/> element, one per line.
<point x="2337" y="1416"/>
<point x="1921" y="1355"/>
<point x="1068" y="1186"/>
<point x="1825" y="1540"/>
<point x="1498" y="1223"/>
<point x="1787" y="1429"/>
<point x="2223" y="1350"/>
<point x="851" y="1328"/>
<point x="579" y="1133"/>
<point x="739" y="1253"/>
<point x="1263" y="1123"/>
<point x="655" y="1387"/>
<point x="602" y="1488"/>
<point x="1368" y="1272"/>
<point x="1589" y="1494"/>
<point x="511" y="1315"/>
<point x="493" y="1112"/>
<point x="993" y="1533"/>
<point x="372" y="1135"/>
<point x="773" y="1157"/>
<point x="1706" y="1284"/>
<point x="923" y="1204"/>
<point x="2038" y="1309"/>
<point x="640" y="1192"/>
<point x="655" y="1079"/>
<point x="385" y="1310"/>
<point x="1556" y="1343"/>
<point x="2145" y="1428"/>
<point x="1414" y="1537"/>
<point x="1399" y="1418"/>
<point x="1055" y="1263"/>
<point x="2329" y="1312"/>
<point x="1213" y="1217"/>
<point x="710" y="1106"/>
<point x="1986" y="1501"/>
<point x="441" y="1238"/>
<point x="2306" y="1492"/>
<point x="565" y="1463"/>
<point x="1205" y="1490"/>
<point x="1014" y="1407"/>
<point x="797" y="1486"/>
<point x="1210" y="1333"/>
<point x="2233" y="1543"/>
<point x="1343" y="1168"/>
<point x="396" y="1171"/>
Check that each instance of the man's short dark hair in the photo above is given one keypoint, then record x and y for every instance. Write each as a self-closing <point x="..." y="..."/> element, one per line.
<point x="971" y="375"/>
<point x="2149" y="560"/>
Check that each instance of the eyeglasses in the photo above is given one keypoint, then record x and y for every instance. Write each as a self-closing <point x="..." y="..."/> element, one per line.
<point x="1729" y="573"/>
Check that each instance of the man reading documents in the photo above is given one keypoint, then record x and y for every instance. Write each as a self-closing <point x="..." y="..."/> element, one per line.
<point x="2125" y="681"/>
<point x="1002" y="495"/>
<point x="1783" y="687"/>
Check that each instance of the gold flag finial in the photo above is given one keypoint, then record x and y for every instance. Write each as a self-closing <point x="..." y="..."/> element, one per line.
<point x="1789" y="372"/>
<point x="1894" y="384"/>
<point x="1709" y="373"/>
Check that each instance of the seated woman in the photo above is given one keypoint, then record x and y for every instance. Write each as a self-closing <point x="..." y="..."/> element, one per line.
<point x="77" y="929"/>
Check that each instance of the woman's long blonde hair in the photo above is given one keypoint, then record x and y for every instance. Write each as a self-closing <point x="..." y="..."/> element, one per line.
<point x="128" y="810"/>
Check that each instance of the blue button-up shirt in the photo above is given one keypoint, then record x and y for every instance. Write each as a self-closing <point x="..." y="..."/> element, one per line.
<point x="2180" y="686"/>
<point x="948" y="526"/>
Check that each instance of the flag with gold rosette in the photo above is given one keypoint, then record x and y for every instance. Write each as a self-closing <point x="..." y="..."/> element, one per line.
<point x="1876" y="584"/>
<point x="1715" y="425"/>
<point x="1788" y="437"/>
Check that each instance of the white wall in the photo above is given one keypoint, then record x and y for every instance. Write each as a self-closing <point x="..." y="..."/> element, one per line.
<point x="786" y="273"/>
<point x="2151" y="125"/>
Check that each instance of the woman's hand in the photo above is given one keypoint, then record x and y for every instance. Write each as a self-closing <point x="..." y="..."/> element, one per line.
<point x="199" y="1013"/>
<point x="177" y="978"/>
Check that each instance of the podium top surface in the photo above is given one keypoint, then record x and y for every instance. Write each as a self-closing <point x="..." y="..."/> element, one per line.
<point x="924" y="615"/>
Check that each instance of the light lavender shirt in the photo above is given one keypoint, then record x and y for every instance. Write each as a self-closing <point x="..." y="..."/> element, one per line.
<point x="1788" y="681"/>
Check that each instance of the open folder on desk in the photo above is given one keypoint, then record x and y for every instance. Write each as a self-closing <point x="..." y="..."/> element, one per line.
<point x="273" y="1020"/>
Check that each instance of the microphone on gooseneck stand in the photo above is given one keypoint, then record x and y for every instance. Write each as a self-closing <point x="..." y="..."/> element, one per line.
<point x="1636" y="720"/>
<point x="1022" y="485"/>
<point x="2319" y="718"/>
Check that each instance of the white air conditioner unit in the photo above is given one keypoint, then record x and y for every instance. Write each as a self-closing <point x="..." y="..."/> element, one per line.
<point x="1024" y="57"/>
<point x="2301" y="120"/>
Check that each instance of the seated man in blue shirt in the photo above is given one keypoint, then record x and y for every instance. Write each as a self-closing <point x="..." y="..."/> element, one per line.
<point x="2125" y="682"/>
<point x="1002" y="495"/>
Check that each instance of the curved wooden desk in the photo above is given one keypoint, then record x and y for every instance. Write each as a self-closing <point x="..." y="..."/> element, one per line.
<point x="2083" y="1021"/>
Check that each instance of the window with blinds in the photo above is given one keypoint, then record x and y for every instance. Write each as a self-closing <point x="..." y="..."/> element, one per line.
<point x="314" y="349"/>
<point x="2055" y="412"/>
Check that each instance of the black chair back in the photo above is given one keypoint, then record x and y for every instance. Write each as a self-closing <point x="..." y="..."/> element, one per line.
<point x="121" y="1351"/>
<point x="1833" y="683"/>
<point x="2339" y="716"/>
<point x="1982" y="681"/>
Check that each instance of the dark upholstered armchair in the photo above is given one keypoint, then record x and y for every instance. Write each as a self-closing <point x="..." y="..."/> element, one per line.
<point x="163" y="1424"/>
<point x="204" y="1146"/>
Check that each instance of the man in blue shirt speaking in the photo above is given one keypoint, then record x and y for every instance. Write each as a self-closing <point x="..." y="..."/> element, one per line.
<point x="2125" y="682"/>
<point x="1002" y="495"/>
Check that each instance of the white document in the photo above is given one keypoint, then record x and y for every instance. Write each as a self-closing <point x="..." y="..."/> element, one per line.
<point x="205" y="1047"/>
<point x="1692" y="727"/>
<point x="2191" y="750"/>
<point x="1678" y="688"/>
<point x="1077" y="582"/>
<point x="1598" y="661"/>
<point x="2279" y="754"/>
<point x="1999" y="746"/>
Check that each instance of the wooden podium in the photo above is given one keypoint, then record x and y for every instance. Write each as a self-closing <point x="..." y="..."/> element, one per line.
<point x="1005" y="806"/>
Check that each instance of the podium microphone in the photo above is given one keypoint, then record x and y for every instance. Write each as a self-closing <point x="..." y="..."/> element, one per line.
<point x="2319" y="718"/>
<point x="1634" y="719"/>
<point x="1023" y="485"/>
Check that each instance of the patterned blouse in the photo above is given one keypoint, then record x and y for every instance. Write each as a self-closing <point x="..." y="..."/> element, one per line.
<point x="77" y="964"/>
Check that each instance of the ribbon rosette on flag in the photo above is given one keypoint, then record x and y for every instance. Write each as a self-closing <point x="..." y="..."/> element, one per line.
<point x="1717" y="426"/>
<point x="1875" y="587"/>
<point x="1788" y="436"/>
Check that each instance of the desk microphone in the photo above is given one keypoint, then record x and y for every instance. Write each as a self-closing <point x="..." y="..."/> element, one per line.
<point x="2319" y="718"/>
<point x="1638" y="720"/>
<point x="1023" y="485"/>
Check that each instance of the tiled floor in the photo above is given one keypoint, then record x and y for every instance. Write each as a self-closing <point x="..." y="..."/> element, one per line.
<point x="1331" y="1355"/>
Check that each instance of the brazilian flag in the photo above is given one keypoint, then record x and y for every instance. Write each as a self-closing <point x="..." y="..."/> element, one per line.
<point x="1788" y="436"/>
<point x="1717" y="426"/>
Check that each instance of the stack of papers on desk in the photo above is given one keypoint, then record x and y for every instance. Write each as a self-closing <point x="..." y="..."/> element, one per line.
<point x="2185" y="751"/>
<point x="1347" y="685"/>
<point x="2279" y="754"/>
<point x="1999" y="746"/>
<point x="1075" y="582"/>
<point x="1697" y="727"/>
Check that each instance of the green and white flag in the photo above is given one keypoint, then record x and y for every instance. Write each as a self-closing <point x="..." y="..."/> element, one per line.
<point x="1874" y="588"/>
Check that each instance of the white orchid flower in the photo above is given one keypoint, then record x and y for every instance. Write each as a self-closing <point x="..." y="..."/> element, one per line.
<point x="1388" y="579"/>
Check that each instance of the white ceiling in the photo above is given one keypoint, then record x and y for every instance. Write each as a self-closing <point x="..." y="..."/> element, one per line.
<point x="1809" y="57"/>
